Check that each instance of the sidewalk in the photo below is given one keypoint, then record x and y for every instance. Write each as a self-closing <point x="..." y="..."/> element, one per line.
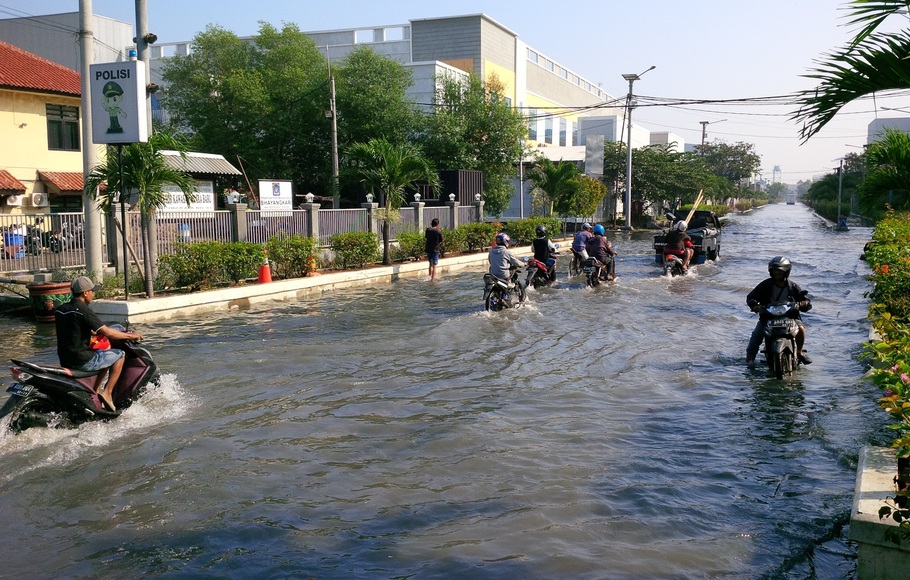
<point x="241" y="297"/>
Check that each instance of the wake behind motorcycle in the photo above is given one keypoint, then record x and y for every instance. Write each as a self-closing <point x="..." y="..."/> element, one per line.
<point x="43" y="395"/>
<point x="780" y="338"/>
<point x="499" y="294"/>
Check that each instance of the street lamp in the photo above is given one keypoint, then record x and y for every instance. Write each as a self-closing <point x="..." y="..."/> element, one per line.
<point x="628" y="199"/>
<point x="841" y="225"/>
<point x="704" y="133"/>
<point x="521" y="179"/>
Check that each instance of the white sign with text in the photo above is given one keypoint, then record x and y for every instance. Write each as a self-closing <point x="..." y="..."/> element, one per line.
<point x="118" y="93"/>
<point x="275" y="197"/>
<point x="176" y="200"/>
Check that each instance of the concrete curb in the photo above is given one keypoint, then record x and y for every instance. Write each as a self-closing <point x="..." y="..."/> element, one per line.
<point x="241" y="297"/>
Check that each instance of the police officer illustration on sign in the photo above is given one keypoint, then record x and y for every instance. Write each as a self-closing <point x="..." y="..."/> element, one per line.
<point x="113" y="95"/>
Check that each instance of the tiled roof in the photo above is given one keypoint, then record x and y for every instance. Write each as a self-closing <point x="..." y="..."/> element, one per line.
<point x="9" y="184"/>
<point x="63" y="180"/>
<point x="20" y="69"/>
<point x="207" y="163"/>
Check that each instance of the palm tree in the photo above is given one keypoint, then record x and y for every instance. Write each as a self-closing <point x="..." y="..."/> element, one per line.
<point x="872" y="62"/>
<point x="560" y="182"/>
<point x="387" y="169"/>
<point x="146" y="171"/>
<point x="887" y="181"/>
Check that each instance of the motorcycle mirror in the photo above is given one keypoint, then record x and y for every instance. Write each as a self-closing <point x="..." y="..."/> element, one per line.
<point x="556" y="246"/>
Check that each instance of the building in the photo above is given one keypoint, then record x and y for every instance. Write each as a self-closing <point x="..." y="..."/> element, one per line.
<point x="40" y="134"/>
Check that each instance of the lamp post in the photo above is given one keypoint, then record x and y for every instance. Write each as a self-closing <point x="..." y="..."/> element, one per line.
<point x="521" y="179"/>
<point x="841" y="225"/>
<point x="704" y="133"/>
<point x="628" y="199"/>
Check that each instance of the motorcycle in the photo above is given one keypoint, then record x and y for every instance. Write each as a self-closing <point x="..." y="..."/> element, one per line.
<point x="34" y="238"/>
<point x="499" y="294"/>
<point x="780" y="338"/>
<point x="538" y="272"/>
<point x="673" y="265"/>
<point x="595" y="272"/>
<point x="43" y="395"/>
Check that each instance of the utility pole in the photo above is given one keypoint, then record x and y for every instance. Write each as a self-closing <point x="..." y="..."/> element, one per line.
<point x="94" y="263"/>
<point x="704" y="133"/>
<point x="333" y="113"/>
<point x="628" y="200"/>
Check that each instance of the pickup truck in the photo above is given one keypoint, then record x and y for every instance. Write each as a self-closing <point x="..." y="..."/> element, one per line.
<point x="704" y="229"/>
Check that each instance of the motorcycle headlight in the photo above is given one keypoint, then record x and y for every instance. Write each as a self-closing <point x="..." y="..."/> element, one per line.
<point x="778" y="309"/>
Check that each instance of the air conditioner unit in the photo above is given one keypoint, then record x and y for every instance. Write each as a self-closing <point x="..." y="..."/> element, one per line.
<point x="14" y="200"/>
<point x="39" y="200"/>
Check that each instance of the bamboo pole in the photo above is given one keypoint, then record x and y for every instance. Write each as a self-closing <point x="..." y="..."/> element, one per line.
<point x="694" y="206"/>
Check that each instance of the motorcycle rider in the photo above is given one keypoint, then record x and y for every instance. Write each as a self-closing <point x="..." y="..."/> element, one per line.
<point x="502" y="261"/>
<point x="76" y="324"/>
<point x="543" y="250"/>
<point x="679" y="243"/>
<point x="777" y="289"/>
<point x="579" y="253"/>
<point x="600" y="248"/>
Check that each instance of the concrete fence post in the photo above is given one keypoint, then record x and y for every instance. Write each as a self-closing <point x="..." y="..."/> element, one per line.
<point x="312" y="217"/>
<point x="453" y="213"/>
<point x="238" y="222"/>
<point x="418" y="214"/>
<point x="372" y="222"/>
<point x="478" y="214"/>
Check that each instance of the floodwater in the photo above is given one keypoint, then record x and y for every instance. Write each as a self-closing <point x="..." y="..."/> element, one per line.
<point x="400" y="431"/>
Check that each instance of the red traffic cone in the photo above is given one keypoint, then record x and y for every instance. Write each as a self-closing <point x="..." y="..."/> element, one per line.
<point x="265" y="273"/>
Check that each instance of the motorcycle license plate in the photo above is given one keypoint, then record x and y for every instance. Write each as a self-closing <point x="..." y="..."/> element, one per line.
<point x="19" y="389"/>
<point x="779" y="323"/>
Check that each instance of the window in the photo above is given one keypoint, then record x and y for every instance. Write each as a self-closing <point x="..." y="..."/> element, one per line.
<point x="549" y="65"/>
<point x="563" y="73"/>
<point x="532" y="56"/>
<point x="65" y="203"/>
<point x="62" y="128"/>
<point x="532" y="124"/>
<point x="548" y="131"/>
<point x="562" y="132"/>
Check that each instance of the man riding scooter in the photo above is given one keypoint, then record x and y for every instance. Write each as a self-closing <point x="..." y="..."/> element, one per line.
<point x="679" y="243"/>
<point x="543" y="252"/>
<point x="600" y="248"/>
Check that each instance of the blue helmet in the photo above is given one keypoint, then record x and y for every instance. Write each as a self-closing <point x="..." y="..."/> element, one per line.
<point x="502" y="239"/>
<point x="599" y="230"/>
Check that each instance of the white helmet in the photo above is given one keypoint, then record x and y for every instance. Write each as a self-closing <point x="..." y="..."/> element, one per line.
<point x="680" y="226"/>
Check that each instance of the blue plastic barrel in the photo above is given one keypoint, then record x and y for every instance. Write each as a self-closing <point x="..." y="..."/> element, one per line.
<point x="185" y="233"/>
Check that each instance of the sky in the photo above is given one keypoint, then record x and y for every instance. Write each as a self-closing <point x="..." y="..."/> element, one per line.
<point x="701" y="49"/>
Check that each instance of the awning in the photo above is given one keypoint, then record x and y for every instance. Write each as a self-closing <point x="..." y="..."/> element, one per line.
<point x="62" y="182"/>
<point x="9" y="185"/>
<point x="199" y="163"/>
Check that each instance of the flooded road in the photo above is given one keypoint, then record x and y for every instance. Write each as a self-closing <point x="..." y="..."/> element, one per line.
<point x="400" y="431"/>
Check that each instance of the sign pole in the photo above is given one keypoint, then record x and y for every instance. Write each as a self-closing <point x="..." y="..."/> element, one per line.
<point x="126" y="258"/>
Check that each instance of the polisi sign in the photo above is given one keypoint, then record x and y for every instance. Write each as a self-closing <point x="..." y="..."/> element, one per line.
<point x="118" y="96"/>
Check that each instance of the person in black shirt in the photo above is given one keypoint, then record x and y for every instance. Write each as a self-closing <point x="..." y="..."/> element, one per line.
<point x="434" y="240"/>
<point x="544" y="250"/>
<point x="76" y="324"/>
<point x="774" y="290"/>
<point x="679" y="243"/>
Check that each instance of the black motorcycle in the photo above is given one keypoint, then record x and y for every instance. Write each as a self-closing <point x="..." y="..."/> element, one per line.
<point x="596" y="272"/>
<point x="780" y="338"/>
<point x="43" y="395"/>
<point x="499" y="294"/>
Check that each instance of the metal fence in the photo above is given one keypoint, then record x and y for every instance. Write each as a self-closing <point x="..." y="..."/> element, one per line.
<point x="55" y="241"/>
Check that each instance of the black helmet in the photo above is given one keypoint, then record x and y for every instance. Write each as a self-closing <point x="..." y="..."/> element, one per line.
<point x="780" y="263"/>
<point x="541" y="232"/>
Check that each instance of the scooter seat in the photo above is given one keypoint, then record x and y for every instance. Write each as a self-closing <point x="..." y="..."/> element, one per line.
<point x="55" y="370"/>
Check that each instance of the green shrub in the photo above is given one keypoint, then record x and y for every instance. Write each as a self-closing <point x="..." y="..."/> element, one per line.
<point x="522" y="231"/>
<point x="207" y="264"/>
<point x="453" y="241"/>
<point x="410" y="245"/>
<point x="292" y="256"/>
<point x="241" y="261"/>
<point x="477" y="236"/>
<point x="355" y="248"/>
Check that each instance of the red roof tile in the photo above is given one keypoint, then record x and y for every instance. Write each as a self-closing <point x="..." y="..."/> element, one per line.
<point x="20" y="69"/>
<point x="63" y="180"/>
<point x="9" y="184"/>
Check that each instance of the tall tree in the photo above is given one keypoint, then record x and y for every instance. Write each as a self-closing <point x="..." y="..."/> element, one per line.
<point x="887" y="179"/>
<point x="559" y="182"/>
<point x="263" y="100"/>
<point x="474" y="127"/>
<point x="145" y="170"/>
<point x="388" y="169"/>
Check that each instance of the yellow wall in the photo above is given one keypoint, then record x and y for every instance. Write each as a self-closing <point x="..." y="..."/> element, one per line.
<point x="23" y="142"/>
<point x="506" y="77"/>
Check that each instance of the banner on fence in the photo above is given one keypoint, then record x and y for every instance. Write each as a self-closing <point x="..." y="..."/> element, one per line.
<point x="176" y="200"/>
<point x="275" y="197"/>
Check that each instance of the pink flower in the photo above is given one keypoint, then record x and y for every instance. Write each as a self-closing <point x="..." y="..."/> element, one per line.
<point x="905" y="379"/>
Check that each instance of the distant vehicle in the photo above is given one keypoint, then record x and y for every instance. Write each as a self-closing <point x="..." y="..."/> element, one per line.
<point x="791" y="199"/>
<point x="703" y="228"/>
